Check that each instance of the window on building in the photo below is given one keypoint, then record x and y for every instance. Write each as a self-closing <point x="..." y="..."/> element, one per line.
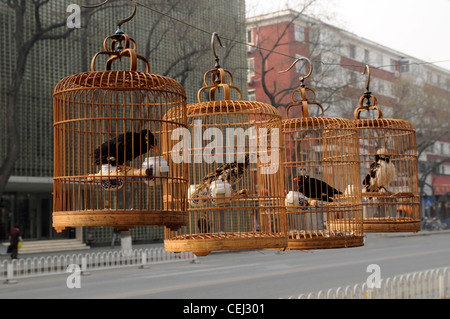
<point x="353" y="77"/>
<point x="381" y="87"/>
<point x="404" y="65"/>
<point x="380" y="60"/>
<point x="251" y="95"/>
<point x="299" y="33"/>
<point x="393" y="65"/>
<point x="352" y="49"/>
<point x="249" y="36"/>
<point x="392" y="86"/>
<point x="317" y="64"/>
<point x="366" y="56"/>
<point x="250" y="69"/>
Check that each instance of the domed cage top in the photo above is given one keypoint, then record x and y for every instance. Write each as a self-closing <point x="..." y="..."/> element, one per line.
<point x="389" y="171"/>
<point x="235" y="196"/>
<point x="112" y="164"/>
<point x="321" y="172"/>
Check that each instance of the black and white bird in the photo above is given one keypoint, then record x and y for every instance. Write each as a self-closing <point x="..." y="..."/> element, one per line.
<point x="382" y="173"/>
<point x="229" y="172"/>
<point x="124" y="148"/>
<point x="316" y="189"/>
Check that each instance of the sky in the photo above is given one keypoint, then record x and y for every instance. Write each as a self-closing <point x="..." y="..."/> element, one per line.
<point x="417" y="28"/>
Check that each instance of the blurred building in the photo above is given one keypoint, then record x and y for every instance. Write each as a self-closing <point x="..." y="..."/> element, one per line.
<point x="172" y="48"/>
<point x="406" y="87"/>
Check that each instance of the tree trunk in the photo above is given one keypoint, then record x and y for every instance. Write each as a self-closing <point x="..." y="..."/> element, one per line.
<point x="12" y="148"/>
<point x="23" y="48"/>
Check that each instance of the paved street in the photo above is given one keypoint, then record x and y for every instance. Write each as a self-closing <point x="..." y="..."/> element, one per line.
<point x="249" y="274"/>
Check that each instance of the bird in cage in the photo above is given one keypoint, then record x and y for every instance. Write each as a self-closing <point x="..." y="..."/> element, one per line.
<point x="229" y="172"/>
<point x="124" y="148"/>
<point x="316" y="189"/>
<point x="382" y="173"/>
<point x="204" y="224"/>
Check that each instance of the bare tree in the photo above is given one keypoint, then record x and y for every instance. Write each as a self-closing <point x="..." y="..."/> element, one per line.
<point x="318" y="45"/>
<point x="427" y="108"/>
<point x="23" y="45"/>
<point x="192" y="45"/>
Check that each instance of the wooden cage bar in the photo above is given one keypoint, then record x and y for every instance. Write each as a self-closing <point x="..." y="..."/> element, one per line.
<point x="388" y="147"/>
<point x="321" y="173"/>
<point x="112" y="164"/>
<point x="324" y="149"/>
<point x="236" y="193"/>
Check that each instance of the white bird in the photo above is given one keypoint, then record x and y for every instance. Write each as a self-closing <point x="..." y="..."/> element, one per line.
<point x="382" y="173"/>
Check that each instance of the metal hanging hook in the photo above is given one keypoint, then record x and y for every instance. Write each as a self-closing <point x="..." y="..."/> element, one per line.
<point x="367" y="95"/>
<point x="302" y="78"/>
<point x="119" y="22"/>
<point x="217" y="79"/>
<point x="214" y="36"/>
<point x="368" y="77"/>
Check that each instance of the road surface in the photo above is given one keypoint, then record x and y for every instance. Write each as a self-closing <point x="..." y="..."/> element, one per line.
<point x="262" y="274"/>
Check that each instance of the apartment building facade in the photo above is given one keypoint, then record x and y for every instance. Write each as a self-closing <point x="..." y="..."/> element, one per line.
<point x="406" y="87"/>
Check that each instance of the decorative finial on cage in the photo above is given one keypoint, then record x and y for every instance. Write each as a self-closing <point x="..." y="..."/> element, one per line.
<point x="218" y="77"/>
<point x="302" y="90"/>
<point x="320" y="170"/>
<point x="116" y="49"/>
<point x="389" y="169"/>
<point x="368" y="97"/>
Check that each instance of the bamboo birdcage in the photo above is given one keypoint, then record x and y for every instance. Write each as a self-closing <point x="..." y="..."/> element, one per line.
<point x="123" y="184"/>
<point x="245" y="211"/>
<point x="320" y="150"/>
<point x="391" y="205"/>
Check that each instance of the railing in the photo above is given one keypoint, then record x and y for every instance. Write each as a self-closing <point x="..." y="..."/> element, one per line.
<point x="51" y="265"/>
<point x="428" y="284"/>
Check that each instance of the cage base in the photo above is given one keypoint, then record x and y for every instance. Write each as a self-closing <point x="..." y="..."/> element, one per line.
<point x="323" y="239"/>
<point x="203" y="244"/>
<point x="119" y="219"/>
<point x="391" y="225"/>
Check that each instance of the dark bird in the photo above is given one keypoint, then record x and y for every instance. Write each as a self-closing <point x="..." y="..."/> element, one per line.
<point x="316" y="189"/>
<point x="203" y="224"/>
<point x="229" y="172"/>
<point x="124" y="148"/>
<point x="382" y="173"/>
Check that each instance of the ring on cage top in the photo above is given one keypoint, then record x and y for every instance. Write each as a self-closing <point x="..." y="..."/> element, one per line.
<point x="389" y="174"/>
<point x="321" y="167"/>
<point x="113" y="166"/>
<point x="236" y="198"/>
